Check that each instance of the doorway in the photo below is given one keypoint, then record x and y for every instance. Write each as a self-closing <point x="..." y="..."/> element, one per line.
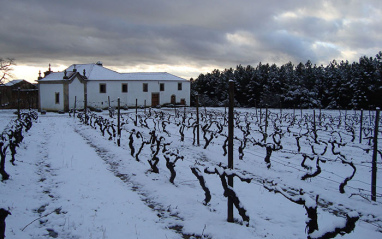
<point x="173" y="99"/>
<point x="154" y="99"/>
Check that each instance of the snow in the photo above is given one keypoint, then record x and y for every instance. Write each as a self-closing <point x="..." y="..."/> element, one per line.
<point x="332" y="225"/>
<point x="96" y="72"/>
<point x="353" y="214"/>
<point x="84" y="186"/>
<point x="309" y="203"/>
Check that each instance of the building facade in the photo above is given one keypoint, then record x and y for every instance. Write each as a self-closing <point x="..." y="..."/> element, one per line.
<point x="100" y="87"/>
<point x="18" y="93"/>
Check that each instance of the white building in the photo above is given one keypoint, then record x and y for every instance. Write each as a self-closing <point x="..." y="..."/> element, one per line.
<point x="61" y="91"/>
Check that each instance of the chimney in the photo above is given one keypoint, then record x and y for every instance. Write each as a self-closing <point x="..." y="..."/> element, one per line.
<point x="99" y="63"/>
<point x="74" y="68"/>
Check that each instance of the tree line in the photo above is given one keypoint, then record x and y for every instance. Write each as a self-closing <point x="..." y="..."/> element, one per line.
<point x="339" y="85"/>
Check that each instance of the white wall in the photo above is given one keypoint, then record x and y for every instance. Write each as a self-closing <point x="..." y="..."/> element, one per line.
<point x="135" y="91"/>
<point x="76" y="89"/>
<point x="48" y="94"/>
<point x="114" y="91"/>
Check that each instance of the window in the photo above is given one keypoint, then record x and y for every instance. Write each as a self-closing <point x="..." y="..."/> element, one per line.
<point x="102" y="88"/>
<point x="57" y="98"/>
<point x="161" y="87"/>
<point x="124" y="88"/>
<point x="145" y="87"/>
<point x="179" y="86"/>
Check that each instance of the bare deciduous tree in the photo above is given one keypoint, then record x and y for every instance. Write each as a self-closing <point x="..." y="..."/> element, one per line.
<point x="6" y="69"/>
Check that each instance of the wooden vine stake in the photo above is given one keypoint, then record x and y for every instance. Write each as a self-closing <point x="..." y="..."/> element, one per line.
<point x="85" y="106"/>
<point x="230" y="147"/>
<point x="197" y="120"/>
<point x="74" y="110"/>
<point x="136" y="112"/>
<point x="18" y="102"/>
<point x="119" y="123"/>
<point x="360" y="127"/>
<point x="374" y="162"/>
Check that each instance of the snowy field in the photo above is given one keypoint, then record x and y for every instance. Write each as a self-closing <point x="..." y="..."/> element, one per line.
<point x="70" y="181"/>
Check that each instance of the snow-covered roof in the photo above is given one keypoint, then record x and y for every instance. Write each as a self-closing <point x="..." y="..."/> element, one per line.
<point x="11" y="83"/>
<point x="98" y="72"/>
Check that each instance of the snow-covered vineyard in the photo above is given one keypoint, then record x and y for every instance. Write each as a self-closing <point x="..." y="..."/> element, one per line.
<point x="298" y="174"/>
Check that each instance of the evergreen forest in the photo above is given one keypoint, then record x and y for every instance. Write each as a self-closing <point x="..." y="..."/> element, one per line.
<point x="339" y="85"/>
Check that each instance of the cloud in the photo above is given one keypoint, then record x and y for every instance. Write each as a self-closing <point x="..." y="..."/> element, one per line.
<point x="188" y="35"/>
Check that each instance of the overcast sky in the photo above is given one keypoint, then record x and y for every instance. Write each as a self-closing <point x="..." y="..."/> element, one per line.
<point x="185" y="37"/>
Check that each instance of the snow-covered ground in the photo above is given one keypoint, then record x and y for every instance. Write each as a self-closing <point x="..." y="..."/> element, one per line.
<point x="79" y="184"/>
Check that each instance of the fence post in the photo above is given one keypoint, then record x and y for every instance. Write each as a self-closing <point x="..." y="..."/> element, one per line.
<point x="374" y="162"/>
<point x="197" y="119"/>
<point x="360" y="127"/>
<point x="230" y="147"/>
<point x="119" y="124"/>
